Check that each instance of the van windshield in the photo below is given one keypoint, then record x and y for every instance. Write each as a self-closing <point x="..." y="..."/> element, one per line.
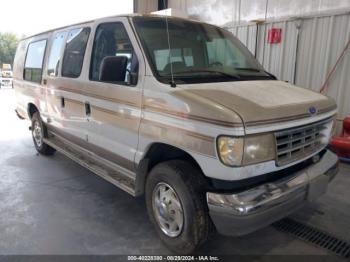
<point x="198" y="52"/>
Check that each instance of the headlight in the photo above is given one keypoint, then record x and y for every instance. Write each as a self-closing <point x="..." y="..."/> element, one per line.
<point x="259" y="148"/>
<point x="234" y="151"/>
<point x="230" y="150"/>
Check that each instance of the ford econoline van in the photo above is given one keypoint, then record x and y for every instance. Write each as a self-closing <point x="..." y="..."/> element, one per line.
<point x="181" y="112"/>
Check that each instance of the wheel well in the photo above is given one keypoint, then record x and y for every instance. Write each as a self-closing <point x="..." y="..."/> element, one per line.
<point x="157" y="153"/>
<point x="31" y="110"/>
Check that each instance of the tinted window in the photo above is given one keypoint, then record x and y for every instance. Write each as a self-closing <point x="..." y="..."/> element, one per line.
<point x="111" y="39"/>
<point x="55" y="54"/>
<point x="74" y="52"/>
<point x="33" y="66"/>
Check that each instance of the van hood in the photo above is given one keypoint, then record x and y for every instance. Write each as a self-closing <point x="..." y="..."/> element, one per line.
<point x="264" y="102"/>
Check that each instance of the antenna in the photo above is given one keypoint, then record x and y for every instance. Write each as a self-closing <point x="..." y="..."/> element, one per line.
<point x="172" y="83"/>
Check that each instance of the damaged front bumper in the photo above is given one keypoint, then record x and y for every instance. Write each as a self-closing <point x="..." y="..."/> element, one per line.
<point x="244" y="212"/>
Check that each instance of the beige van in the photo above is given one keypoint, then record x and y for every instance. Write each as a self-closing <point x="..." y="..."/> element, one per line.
<point x="178" y="111"/>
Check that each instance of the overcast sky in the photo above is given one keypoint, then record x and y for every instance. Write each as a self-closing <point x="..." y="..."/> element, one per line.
<point x="29" y="17"/>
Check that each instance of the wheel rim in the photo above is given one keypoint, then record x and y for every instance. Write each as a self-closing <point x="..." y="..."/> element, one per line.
<point x="37" y="134"/>
<point x="167" y="209"/>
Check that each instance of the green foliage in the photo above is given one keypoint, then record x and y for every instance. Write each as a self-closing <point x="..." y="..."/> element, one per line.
<point x="8" y="45"/>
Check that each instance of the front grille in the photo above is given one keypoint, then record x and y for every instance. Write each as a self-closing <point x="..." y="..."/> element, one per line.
<point x="297" y="143"/>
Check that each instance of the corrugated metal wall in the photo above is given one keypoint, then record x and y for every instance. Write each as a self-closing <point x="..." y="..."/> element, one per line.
<point x="306" y="63"/>
<point x="224" y="12"/>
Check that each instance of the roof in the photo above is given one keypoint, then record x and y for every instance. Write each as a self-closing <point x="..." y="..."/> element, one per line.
<point x="102" y="18"/>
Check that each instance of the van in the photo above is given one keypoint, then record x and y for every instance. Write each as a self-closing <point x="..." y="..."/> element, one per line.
<point x="180" y="112"/>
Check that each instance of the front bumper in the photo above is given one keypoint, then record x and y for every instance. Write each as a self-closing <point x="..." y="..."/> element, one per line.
<point x="244" y="212"/>
<point x="6" y="82"/>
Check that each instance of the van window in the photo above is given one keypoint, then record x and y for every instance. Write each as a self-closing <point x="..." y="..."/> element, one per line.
<point x="74" y="52"/>
<point x="55" y="54"/>
<point x="224" y="52"/>
<point x="183" y="55"/>
<point x="33" y="66"/>
<point x="111" y="39"/>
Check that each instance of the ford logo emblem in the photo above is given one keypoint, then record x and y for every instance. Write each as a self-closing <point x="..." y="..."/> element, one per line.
<point x="312" y="110"/>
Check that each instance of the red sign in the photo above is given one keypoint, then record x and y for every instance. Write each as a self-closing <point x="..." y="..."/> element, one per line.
<point x="274" y="36"/>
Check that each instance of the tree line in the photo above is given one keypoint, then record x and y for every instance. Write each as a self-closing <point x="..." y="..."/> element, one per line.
<point x="8" y="45"/>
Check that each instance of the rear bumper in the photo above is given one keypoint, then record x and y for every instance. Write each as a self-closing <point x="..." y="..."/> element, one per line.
<point x="247" y="211"/>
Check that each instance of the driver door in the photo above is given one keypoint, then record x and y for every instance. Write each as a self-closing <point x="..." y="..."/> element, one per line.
<point x="115" y="106"/>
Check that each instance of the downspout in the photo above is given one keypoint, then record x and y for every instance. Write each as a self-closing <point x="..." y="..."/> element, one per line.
<point x="265" y="18"/>
<point x="298" y="24"/>
<point x="135" y="7"/>
<point x="239" y="11"/>
<point x="258" y="23"/>
<point x="266" y="9"/>
<point x="256" y="40"/>
<point x="162" y="4"/>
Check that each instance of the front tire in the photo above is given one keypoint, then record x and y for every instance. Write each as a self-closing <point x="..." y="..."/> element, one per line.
<point x="39" y="132"/>
<point x="176" y="205"/>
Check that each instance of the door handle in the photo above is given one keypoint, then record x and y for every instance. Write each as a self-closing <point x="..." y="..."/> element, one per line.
<point x="44" y="81"/>
<point x="87" y="109"/>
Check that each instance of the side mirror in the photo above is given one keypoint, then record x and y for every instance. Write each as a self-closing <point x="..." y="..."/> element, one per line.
<point x="113" y="69"/>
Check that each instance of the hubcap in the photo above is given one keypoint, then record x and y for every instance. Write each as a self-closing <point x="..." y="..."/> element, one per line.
<point x="167" y="209"/>
<point x="37" y="134"/>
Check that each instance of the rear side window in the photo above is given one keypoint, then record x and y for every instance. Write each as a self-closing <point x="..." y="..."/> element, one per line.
<point x="33" y="67"/>
<point x="74" y="52"/>
<point x="55" y="54"/>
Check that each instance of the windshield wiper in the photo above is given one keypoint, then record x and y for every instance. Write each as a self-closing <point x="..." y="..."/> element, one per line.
<point x="247" y="69"/>
<point x="257" y="71"/>
<point x="207" y="71"/>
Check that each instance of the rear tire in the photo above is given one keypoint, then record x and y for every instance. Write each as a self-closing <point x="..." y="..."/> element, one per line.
<point x="175" y="189"/>
<point x="39" y="132"/>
